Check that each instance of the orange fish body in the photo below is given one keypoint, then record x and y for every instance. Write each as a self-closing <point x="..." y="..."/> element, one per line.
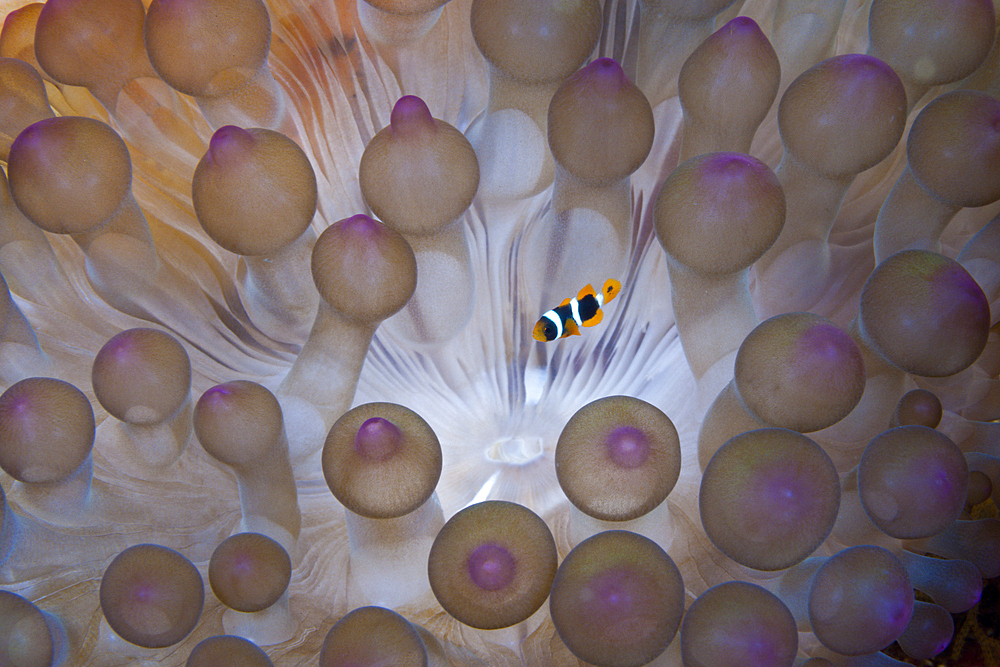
<point x="583" y="311"/>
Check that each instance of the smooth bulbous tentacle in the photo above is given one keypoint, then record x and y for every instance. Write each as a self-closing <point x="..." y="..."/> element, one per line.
<point x="152" y="596"/>
<point x="617" y="600"/>
<point x="768" y="498"/>
<point x="492" y="564"/>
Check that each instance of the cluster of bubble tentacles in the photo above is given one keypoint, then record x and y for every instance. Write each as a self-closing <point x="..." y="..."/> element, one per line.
<point x="220" y="366"/>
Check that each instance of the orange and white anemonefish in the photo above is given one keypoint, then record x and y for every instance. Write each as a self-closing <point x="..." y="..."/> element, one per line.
<point x="585" y="310"/>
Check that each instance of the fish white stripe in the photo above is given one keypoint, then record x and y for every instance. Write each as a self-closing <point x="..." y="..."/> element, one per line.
<point x="574" y="307"/>
<point x="556" y="320"/>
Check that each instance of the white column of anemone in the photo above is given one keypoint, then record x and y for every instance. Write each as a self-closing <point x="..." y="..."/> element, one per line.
<point x="240" y="423"/>
<point x="726" y="87"/>
<point x="398" y="23"/>
<point x="530" y="47"/>
<point x="47" y="429"/>
<point x="382" y="462"/>
<point x="803" y="33"/>
<point x="704" y="204"/>
<point x="142" y="377"/>
<point x="23" y="100"/>
<point x="668" y="33"/>
<point x="953" y="154"/>
<point x="839" y="118"/>
<point x="600" y="131"/>
<point x="617" y="460"/>
<point x="249" y="573"/>
<point x="223" y="63"/>
<point x="364" y="272"/>
<point x="981" y="258"/>
<point x="419" y="175"/>
<point x="29" y="265"/>
<point x="20" y="354"/>
<point x="254" y="193"/>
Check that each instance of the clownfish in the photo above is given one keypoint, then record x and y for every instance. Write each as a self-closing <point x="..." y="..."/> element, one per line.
<point x="585" y="310"/>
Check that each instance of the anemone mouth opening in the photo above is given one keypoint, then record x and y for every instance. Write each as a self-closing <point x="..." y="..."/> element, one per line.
<point x="516" y="450"/>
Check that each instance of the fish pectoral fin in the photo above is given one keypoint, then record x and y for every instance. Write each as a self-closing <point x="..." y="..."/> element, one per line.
<point x="595" y="320"/>
<point x="571" y="329"/>
<point x="588" y="290"/>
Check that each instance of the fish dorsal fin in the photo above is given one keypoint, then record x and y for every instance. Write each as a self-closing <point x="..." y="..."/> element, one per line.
<point x="588" y="290"/>
<point x="565" y="302"/>
<point x="571" y="328"/>
<point x="595" y="320"/>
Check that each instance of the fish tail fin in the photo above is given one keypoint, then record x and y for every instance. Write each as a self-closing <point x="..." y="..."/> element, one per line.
<point x="611" y="289"/>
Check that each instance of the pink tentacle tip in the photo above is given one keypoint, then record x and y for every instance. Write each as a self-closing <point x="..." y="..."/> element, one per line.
<point x="628" y="447"/>
<point x="378" y="439"/>
<point x="411" y="115"/>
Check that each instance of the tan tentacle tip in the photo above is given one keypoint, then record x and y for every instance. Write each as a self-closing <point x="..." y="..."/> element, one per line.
<point x="536" y="42"/>
<point x="373" y="636"/>
<point x="46" y="430"/>
<point x="249" y="572"/>
<point x="924" y="313"/>
<point x="843" y="115"/>
<point x="954" y="148"/>
<point x="152" y="596"/>
<point x="709" y="199"/>
<point x="799" y="371"/>
<point x="207" y="48"/>
<point x="142" y="376"/>
<point x="918" y="407"/>
<point x="227" y="651"/>
<point x="410" y="115"/>
<point x="88" y="173"/>
<point x="418" y="174"/>
<point x="618" y="458"/>
<point x="381" y="460"/>
<point x="617" y="600"/>
<point x="238" y="422"/>
<point x="600" y="124"/>
<point x="931" y="43"/>
<point x="25" y="638"/>
<point x="407" y="7"/>
<point x="491" y="566"/>
<point x="254" y="191"/>
<point x="363" y="269"/>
